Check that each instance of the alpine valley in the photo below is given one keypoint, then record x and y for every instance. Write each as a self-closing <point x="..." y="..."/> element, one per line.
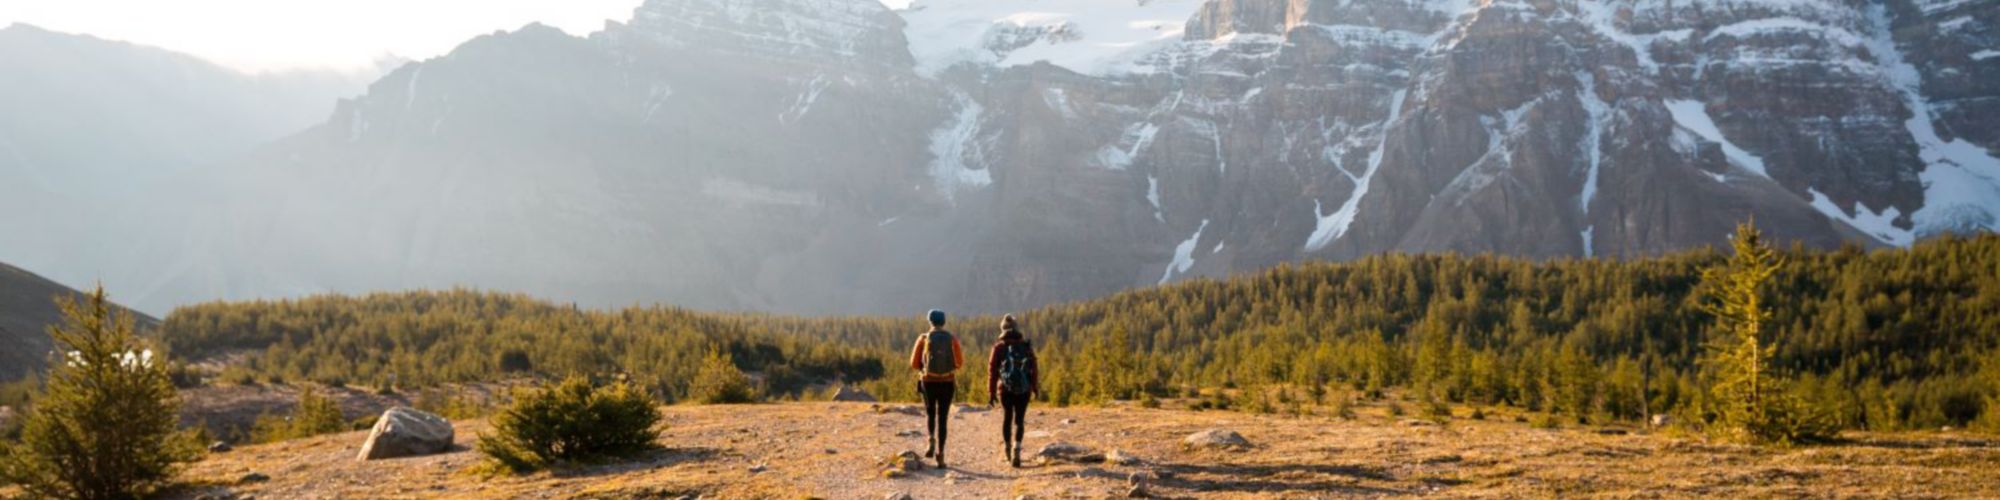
<point x="840" y="156"/>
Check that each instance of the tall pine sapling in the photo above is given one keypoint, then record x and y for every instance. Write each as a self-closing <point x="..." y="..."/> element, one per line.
<point x="105" y="425"/>
<point x="1750" y="402"/>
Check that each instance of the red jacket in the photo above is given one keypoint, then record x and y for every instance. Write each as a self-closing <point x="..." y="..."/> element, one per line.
<point x="917" y="360"/>
<point x="993" y="360"/>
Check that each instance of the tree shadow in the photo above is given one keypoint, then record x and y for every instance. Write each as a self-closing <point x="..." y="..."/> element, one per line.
<point x="1273" y="478"/>
<point x="656" y="459"/>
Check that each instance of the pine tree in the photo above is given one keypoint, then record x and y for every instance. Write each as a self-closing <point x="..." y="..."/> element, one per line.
<point x="720" y="382"/>
<point x="105" y="426"/>
<point x="1750" y="402"/>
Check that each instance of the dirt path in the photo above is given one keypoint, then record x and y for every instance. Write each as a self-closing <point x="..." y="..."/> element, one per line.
<point x="833" y="450"/>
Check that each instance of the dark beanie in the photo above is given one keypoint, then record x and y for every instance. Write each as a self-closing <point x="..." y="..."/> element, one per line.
<point x="936" y="317"/>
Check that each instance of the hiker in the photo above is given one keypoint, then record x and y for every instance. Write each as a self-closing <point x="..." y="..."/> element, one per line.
<point x="1012" y="375"/>
<point x="936" y="358"/>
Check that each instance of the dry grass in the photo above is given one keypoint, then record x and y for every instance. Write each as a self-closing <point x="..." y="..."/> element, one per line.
<point x="831" y="450"/>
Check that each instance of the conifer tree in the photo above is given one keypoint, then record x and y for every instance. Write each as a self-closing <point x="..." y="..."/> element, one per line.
<point x="1750" y="400"/>
<point x="105" y="426"/>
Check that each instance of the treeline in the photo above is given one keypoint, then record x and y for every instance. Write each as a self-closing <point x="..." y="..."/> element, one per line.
<point x="1885" y="339"/>
<point x="426" y="339"/>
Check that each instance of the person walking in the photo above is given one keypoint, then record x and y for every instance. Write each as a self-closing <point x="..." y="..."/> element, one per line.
<point x="937" y="358"/>
<point x="1013" y="377"/>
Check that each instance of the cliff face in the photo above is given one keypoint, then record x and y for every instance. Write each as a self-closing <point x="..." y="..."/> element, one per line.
<point x="837" y="156"/>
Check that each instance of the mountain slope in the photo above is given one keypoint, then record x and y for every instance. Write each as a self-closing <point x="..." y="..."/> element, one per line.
<point x="837" y="156"/>
<point x="27" y="308"/>
<point x="95" y="131"/>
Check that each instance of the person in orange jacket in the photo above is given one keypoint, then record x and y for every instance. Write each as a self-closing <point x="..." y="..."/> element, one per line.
<point x="937" y="358"/>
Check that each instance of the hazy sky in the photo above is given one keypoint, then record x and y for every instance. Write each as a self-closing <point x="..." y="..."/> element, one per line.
<point x="281" y="34"/>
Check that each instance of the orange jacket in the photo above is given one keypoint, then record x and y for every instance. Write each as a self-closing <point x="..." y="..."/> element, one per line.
<point x="917" y="360"/>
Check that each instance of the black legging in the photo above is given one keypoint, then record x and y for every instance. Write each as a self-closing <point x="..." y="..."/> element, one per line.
<point x="1014" y="423"/>
<point x="937" y="412"/>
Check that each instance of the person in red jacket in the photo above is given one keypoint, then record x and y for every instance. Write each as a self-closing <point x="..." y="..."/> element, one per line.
<point x="1012" y="376"/>
<point x="937" y="358"/>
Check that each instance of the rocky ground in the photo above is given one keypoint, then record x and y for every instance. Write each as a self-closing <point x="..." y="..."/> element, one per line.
<point x="836" y="450"/>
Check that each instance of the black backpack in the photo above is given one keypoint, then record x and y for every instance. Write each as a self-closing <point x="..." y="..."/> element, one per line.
<point x="1014" y="377"/>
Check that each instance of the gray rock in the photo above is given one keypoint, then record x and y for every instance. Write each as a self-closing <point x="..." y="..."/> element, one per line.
<point x="1120" y="457"/>
<point x="1215" y="438"/>
<point x="1062" y="451"/>
<point x="1662" y="420"/>
<point x="406" y="432"/>
<point x="854" y="394"/>
<point x="898" y="495"/>
<point x="220" y="447"/>
<point x="254" y="477"/>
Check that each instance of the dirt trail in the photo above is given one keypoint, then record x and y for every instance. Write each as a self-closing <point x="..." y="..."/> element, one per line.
<point x="833" y="450"/>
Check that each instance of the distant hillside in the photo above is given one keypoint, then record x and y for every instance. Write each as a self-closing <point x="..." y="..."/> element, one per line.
<point x="27" y="307"/>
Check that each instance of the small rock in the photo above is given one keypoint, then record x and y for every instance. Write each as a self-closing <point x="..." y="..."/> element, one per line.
<point x="1944" y="429"/>
<point x="754" y="469"/>
<point x="1064" y="451"/>
<point x="220" y="447"/>
<point x="909" y="433"/>
<point x="1069" y="421"/>
<point x="254" y="477"/>
<point x="1138" y="491"/>
<point x="898" y="495"/>
<point x="1215" y="438"/>
<point x="855" y="394"/>
<point x="1662" y="420"/>
<point x="831" y="451"/>
<point x="1120" y="457"/>
<point x="1613" y="432"/>
<point x="911" y="410"/>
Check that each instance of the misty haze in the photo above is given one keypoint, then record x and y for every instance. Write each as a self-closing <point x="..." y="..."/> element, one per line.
<point x="1349" y="233"/>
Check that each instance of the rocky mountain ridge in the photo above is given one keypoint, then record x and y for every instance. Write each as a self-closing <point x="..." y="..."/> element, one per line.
<point x="836" y="156"/>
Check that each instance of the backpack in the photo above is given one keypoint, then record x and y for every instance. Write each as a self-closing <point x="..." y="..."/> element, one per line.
<point x="1014" y="369"/>
<point x="938" y="358"/>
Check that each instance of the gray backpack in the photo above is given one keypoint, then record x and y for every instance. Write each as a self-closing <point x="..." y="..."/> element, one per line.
<point x="937" y="353"/>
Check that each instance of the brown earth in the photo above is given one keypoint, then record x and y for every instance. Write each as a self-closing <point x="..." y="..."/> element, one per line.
<point x="833" y="450"/>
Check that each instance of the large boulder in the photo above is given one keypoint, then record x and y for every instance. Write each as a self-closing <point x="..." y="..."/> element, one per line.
<point x="851" y="393"/>
<point x="407" y="432"/>
<point x="1214" y="439"/>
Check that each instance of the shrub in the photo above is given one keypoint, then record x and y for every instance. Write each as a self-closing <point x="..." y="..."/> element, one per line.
<point x="105" y="425"/>
<point x="572" y="422"/>
<point x="719" y="382"/>
<point x="314" y="415"/>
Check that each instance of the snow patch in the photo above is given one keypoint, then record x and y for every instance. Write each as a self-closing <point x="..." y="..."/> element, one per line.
<point x="1592" y="143"/>
<point x="1782" y="25"/>
<point x="805" y="100"/>
<point x="1097" y="37"/>
<point x="1153" y="197"/>
<point x="1877" y="224"/>
<point x="955" y="148"/>
<point x="1985" y="54"/>
<point x="1184" y="254"/>
<point x="1693" y="116"/>
<point x="1135" y="139"/>
<point x="656" y="95"/>
<point x="1961" y="179"/>
<point x="1331" y="226"/>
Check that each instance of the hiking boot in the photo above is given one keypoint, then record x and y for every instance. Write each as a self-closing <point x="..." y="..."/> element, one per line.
<point x="940" y="461"/>
<point x="1006" y="452"/>
<point x="930" y="451"/>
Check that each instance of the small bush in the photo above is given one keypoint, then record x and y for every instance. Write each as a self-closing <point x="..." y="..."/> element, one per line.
<point x="314" y="415"/>
<point x="572" y="422"/>
<point x="1545" y="421"/>
<point x="719" y="382"/>
<point x="1396" y="409"/>
<point x="1343" y="407"/>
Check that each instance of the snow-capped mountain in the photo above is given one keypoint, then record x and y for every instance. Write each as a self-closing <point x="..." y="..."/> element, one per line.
<point x="839" y="156"/>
